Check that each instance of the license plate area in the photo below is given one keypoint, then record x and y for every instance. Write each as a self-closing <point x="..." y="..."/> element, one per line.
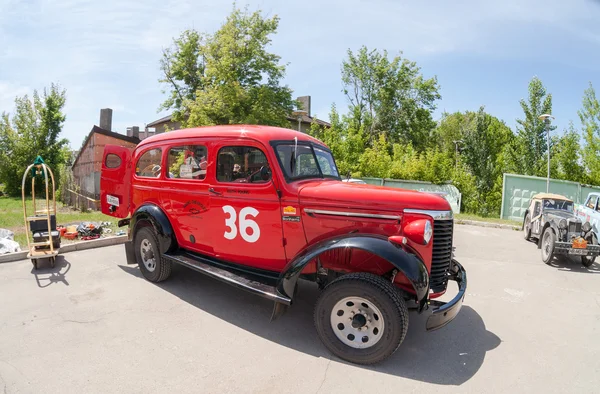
<point x="579" y="252"/>
<point x="112" y="200"/>
<point x="579" y="243"/>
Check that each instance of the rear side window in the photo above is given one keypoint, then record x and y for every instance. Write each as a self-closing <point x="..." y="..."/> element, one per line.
<point x="537" y="208"/>
<point x="187" y="162"/>
<point x="112" y="161"/>
<point x="148" y="164"/>
<point x="242" y="164"/>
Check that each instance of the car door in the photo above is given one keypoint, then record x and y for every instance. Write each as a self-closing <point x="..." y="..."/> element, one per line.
<point x="115" y="181"/>
<point x="536" y="220"/>
<point x="245" y="207"/>
<point x="187" y="186"/>
<point x="589" y="210"/>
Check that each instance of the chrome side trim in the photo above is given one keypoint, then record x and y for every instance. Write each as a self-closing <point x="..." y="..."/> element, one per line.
<point x="435" y="215"/>
<point x="351" y="214"/>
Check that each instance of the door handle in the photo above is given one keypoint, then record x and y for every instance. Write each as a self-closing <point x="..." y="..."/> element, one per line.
<point x="210" y="189"/>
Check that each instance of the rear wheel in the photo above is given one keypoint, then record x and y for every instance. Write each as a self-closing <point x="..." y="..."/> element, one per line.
<point x="148" y="256"/>
<point x="548" y="241"/>
<point x="527" y="228"/>
<point x="361" y="318"/>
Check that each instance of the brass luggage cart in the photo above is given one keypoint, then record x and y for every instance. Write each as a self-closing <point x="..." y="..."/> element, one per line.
<point x="41" y="226"/>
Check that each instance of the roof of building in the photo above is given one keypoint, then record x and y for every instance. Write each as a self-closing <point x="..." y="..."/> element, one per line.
<point x="309" y="119"/>
<point x="541" y="196"/>
<point x="304" y="119"/>
<point x="260" y="133"/>
<point x="164" y="119"/>
<point x="107" y="133"/>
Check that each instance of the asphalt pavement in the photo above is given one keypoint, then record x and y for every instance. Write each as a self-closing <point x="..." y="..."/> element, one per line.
<point x="94" y="325"/>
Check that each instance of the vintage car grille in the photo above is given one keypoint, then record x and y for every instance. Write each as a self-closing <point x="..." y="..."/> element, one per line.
<point x="442" y="254"/>
<point x="574" y="227"/>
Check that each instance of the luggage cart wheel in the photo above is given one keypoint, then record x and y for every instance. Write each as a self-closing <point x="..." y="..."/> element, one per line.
<point x="52" y="262"/>
<point x="34" y="262"/>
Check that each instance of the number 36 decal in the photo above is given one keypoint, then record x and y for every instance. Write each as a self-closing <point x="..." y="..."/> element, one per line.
<point x="244" y="224"/>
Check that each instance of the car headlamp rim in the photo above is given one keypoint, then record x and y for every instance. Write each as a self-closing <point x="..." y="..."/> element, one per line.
<point x="562" y="224"/>
<point x="427" y="232"/>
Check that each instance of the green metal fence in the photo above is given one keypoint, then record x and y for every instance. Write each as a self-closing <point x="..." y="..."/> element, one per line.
<point x="517" y="191"/>
<point x="451" y="193"/>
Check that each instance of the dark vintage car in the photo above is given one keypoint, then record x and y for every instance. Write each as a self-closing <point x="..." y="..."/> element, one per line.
<point x="551" y="221"/>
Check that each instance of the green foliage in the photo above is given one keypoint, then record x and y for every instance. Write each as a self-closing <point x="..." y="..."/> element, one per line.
<point x="565" y="157"/>
<point x="389" y="96"/>
<point x="33" y="130"/>
<point x="590" y="120"/>
<point x="529" y="151"/>
<point x="228" y="77"/>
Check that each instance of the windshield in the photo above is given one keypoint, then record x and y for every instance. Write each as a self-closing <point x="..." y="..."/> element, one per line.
<point x="305" y="161"/>
<point x="558" y="204"/>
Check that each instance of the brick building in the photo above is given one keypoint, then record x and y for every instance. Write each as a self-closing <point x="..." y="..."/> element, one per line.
<point x="88" y="162"/>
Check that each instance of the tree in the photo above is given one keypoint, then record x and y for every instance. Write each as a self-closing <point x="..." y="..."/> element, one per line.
<point x="390" y="97"/>
<point x="228" y="77"/>
<point x="484" y="139"/>
<point x="531" y="145"/>
<point x="590" y="120"/>
<point x="33" y="130"/>
<point x="183" y="67"/>
<point x="566" y="155"/>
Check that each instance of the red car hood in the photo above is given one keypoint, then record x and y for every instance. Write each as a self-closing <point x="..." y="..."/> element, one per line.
<point x="342" y="194"/>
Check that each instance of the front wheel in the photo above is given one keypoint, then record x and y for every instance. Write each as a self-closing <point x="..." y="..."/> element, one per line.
<point x="588" y="261"/>
<point x="361" y="318"/>
<point x="527" y="228"/>
<point x="148" y="256"/>
<point x="548" y="241"/>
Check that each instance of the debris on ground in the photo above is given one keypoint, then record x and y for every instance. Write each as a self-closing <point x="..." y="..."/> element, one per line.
<point x="7" y="242"/>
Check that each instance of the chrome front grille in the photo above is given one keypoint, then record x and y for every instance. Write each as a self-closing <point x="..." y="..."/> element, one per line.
<point x="442" y="254"/>
<point x="574" y="227"/>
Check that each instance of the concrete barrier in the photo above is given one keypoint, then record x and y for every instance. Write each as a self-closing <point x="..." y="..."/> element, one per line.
<point x="72" y="247"/>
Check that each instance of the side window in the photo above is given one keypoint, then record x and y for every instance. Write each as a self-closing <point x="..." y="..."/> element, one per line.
<point x="537" y="208"/>
<point x="112" y="161"/>
<point x="591" y="204"/>
<point x="242" y="164"/>
<point x="187" y="162"/>
<point x="148" y="164"/>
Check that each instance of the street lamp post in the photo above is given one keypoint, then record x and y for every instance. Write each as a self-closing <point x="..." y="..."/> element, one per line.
<point x="546" y="119"/>
<point x="456" y="142"/>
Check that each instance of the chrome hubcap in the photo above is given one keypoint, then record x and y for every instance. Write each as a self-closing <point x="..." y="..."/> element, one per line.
<point x="546" y="246"/>
<point x="357" y="322"/>
<point x="147" y="254"/>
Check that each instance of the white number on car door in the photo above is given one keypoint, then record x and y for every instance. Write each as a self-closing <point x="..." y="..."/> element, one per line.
<point x="249" y="229"/>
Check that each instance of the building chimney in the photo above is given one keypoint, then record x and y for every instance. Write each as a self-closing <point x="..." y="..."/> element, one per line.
<point x="135" y="132"/>
<point x="106" y="119"/>
<point x="304" y="104"/>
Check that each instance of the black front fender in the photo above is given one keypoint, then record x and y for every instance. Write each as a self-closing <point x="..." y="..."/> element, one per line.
<point x="409" y="264"/>
<point x="153" y="215"/>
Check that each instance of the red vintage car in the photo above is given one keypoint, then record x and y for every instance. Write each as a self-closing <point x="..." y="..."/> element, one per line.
<point x="262" y="207"/>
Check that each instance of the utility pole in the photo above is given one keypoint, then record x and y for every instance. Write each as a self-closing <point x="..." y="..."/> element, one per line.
<point x="546" y="119"/>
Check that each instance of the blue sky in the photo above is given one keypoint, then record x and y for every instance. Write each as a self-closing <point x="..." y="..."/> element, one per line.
<point x="106" y="53"/>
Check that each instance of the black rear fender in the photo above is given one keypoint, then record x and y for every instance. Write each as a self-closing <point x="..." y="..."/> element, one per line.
<point x="152" y="215"/>
<point x="409" y="264"/>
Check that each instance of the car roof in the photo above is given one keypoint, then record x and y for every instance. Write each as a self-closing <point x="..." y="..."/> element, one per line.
<point x="541" y="196"/>
<point x="264" y="134"/>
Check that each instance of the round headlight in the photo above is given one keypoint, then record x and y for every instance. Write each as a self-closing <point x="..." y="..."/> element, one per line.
<point x="562" y="224"/>
<point x="427" y="232"/>
<point x="586" y="227"/>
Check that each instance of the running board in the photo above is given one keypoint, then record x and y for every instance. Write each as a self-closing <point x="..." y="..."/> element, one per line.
<point x="204" y="266"/>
